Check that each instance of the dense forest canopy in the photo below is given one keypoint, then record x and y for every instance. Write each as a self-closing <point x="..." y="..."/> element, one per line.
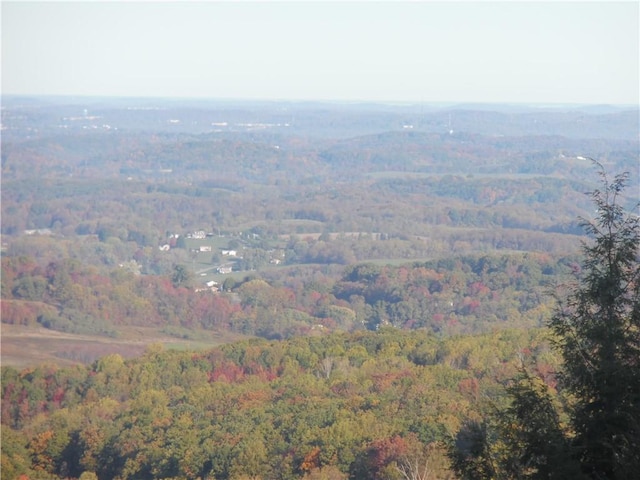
<point x="354" y="405"/>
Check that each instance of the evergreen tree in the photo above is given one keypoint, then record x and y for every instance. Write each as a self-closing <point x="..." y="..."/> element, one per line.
<point x="522" y="441"/>
<point x="597" y="329"/>
<point x="181" y="276"/>
<point x="532" y="435"/>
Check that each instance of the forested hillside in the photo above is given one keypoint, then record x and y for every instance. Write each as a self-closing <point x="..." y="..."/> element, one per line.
<point x="462" y="295"/>
<point x="247" y="170"/>
<point x="277" y="290"/>
<point x="106" y="203"/>
<point x="337" y="406"/>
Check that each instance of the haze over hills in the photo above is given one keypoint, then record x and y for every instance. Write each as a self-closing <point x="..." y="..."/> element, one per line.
<point x="279" y="289"/>
<point x="289" y="186"/>
<point x="333" y="119"/>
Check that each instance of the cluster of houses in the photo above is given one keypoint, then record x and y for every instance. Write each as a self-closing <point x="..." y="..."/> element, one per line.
<point x="225" y="269"/>
<point x="211" y="285"/>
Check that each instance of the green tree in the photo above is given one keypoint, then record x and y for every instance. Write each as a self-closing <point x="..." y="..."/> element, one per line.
<point x="88" y="476"/>
<point x="597" y="329"/>
<point x="472" y="454"/>
<point x="532" y="435"/>
<point x="15" y="459"/>
<point x="181" y="276"/>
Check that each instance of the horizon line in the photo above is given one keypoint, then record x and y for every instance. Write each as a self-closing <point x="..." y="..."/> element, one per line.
<point x="391" y="102"/>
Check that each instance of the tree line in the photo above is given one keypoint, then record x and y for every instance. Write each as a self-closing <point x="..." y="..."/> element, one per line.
<point x="467" y="294"/>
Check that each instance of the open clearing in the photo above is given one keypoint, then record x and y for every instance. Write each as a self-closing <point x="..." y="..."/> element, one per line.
<point x="23" y="347"/>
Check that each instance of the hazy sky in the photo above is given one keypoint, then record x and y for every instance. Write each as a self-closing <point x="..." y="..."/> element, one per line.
<point x="523" y="52"/>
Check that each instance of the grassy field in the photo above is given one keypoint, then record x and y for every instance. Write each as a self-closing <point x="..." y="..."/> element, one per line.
<point x="24" y="347"/>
